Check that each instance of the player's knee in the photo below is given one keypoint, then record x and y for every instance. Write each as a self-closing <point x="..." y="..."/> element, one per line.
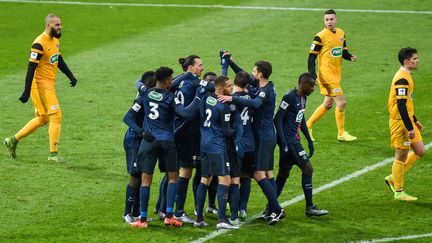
<point x="135" y="180"/>
<point x="328" y="104"/>
<point x="341" y="105"/>
<point x="56" y="117"/>
<point x="307" y="169"/>
<point x="43" y="120"/>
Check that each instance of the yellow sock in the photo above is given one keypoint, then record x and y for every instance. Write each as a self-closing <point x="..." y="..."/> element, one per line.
<point x="340" y="121"/>
<point x="54" y="131"/>
<point x="412" y="158"/>
<point x="318" y="113"/>
<point x="398" y="174"/>
<point x="31" y="126"/>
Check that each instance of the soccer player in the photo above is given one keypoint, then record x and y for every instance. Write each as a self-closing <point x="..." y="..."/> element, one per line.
<point x="158" y="142"/>
<point x="263" y="103"/>
<point x="330" y="47"/>
<point x="405" y="129"/>
<point x="134" y="119"/>
<point x="45" y="57"/>
<point x="215" y="128"/>
<point x="187" y="134"/>
<point x="289" y="120"/>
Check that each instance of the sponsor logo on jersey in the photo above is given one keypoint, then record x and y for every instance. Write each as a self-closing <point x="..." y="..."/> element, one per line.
<point x="336" y="90"/>
<point x="155" y="95"/>
<point x="245" y="97"/>
<point x="300" y="115"/>
<point x="211" y="101"/>
<point x="54" y="58"/>
<point x="301" y="153"/>
<point x="406" y="143"/>
<point x="54" y="107"/>
<point x="227" y="117"/>
<point x="136" y="107"/>
<point x="33" y="55"/>
<point x="336" y="52"/>
<point x="284" y="105"/>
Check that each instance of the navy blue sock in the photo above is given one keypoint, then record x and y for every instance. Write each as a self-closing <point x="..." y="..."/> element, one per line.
<point x="212" y="192"/>
<point x="171" y="192"/>
<point x="269" y="192"/>
<point x="201" y="197"/>
<point x="245" y="188"/>
<point x="195" y="183"/>
<point x="161" y="191"/>
<point x="136" y="205"/>
<point x="307" y="189"/>
<point x="280" y="184"/>
<point x="222" y="194"/>
<point x="162" y="207"/>
<point x="144" y="199"/>
<point x="273" y="182"/>
<point x="130" y="199"/>
<point x="234" y="193"/>
<point x="182" y="188"/>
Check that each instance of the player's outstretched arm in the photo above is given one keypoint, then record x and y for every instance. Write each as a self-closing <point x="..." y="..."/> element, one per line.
<point x="65" y="69"/>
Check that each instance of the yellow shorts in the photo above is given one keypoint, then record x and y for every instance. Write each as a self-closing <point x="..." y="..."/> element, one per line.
<point x="333" y="89"/>
<point x="399" y="135"/>
<point x="45" y="101"/>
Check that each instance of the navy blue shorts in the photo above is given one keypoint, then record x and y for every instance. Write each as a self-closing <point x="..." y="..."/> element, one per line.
<point x="234" y="160"/>
<point x="150" y="153"/>
<point x="264" y="159"/>
<point x="296" y="156"/>
<point x="214" y="164"/>
<point x="131" y="144"/>
<point x="247" y="163"/>
<point x="188" y="148"/>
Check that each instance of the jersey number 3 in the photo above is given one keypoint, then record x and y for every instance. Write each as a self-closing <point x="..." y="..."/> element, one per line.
<point x="154" y="113"/>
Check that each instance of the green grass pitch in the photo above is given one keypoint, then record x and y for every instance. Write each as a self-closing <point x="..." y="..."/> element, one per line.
<point x="108" y="48"/>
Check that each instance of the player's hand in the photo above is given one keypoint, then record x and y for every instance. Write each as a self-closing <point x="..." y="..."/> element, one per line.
<point x="224" y="98"/>
<point x="73" y="82"/>
<point x="24" y="98"/>
<point x="411" y="134"/>
<point x="311" y="149"/>
<point x="239" y="150"/>
<point x="419" y="126"/>
<point x="200" y="92"/>
<point x="353" y="58"/>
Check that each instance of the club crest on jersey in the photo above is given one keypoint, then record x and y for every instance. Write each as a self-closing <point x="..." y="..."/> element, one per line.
<point x="54" y="58"/>
<point x="155" y="96"/>
<point x="232" y="107"/>
<point x="341" y="39"/>
<point x="211" y="101"/>
<point x="262" y="94"/>
<point x="203" y="83"/>
<point x="58" y="45"/>
<point x="336" y="52"/>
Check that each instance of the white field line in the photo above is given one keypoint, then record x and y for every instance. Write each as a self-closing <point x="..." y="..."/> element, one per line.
<point x="216" y="6"/>
<point x="298" y="198"/>
<point x="407" y="237"/>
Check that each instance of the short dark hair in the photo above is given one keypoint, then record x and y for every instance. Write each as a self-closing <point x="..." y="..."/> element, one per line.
<point x="306" y="77"/>
<point x="406" y="53"/>
<point x="185" y="62"/>
<point x="264" y="67"/>
<point x="163" y="73"/>
<point x="330" y="11"/>
<point x="220" y="81"/>
<point x="208" y="74"/>
<point x="148" y="79"/>
<point x="241" y="79"/>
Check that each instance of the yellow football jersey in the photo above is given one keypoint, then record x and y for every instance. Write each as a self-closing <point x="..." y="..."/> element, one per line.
<point x="402" y="87"/>
<point x="47" y="60"/>
<point x="330" y="47"/>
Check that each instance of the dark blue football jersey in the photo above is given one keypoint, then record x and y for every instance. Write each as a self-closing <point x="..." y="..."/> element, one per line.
<point x="292" y="109"/>
<point x="246" y="115"/>
<point x="215" y="119"/>
<point x="185" y="92"/>
<point x="263" y="115"/>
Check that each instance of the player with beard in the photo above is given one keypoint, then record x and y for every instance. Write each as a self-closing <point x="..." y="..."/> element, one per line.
<point x="45" y="58"/>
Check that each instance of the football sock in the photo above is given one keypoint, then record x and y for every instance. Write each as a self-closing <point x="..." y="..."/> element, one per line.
<point x="182" y="187"/>
<point x="195" y="183"/>
<point x="222" y="195"/>
<point x="270" y="194"/>
<point x="201" y="196"/>
<point x="163" y="204"/>
<point x="54" y="130"/>
<point x="171" y="193"/>
<point x="161" y="192"/>
<point x="31" y="126"/>
<point x="340" y="121"/>
<point x="412" y="158"/>
<point x="245" y="188"/>
<point x="136" y="205"/>
<point x="212" y="192"/>
<point x="280" y="184"/>
<point x="273" y="182"/>
<point x="234" y="193"/>
<point x="307" y="188"/>
<point x="130" y="199"/>
<point x="318" y="113"/>
<point x="398" y="175"/>
<point x="144" y="199"/>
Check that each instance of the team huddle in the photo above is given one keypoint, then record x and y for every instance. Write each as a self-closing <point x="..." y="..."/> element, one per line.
<point x="226" y="129"/>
